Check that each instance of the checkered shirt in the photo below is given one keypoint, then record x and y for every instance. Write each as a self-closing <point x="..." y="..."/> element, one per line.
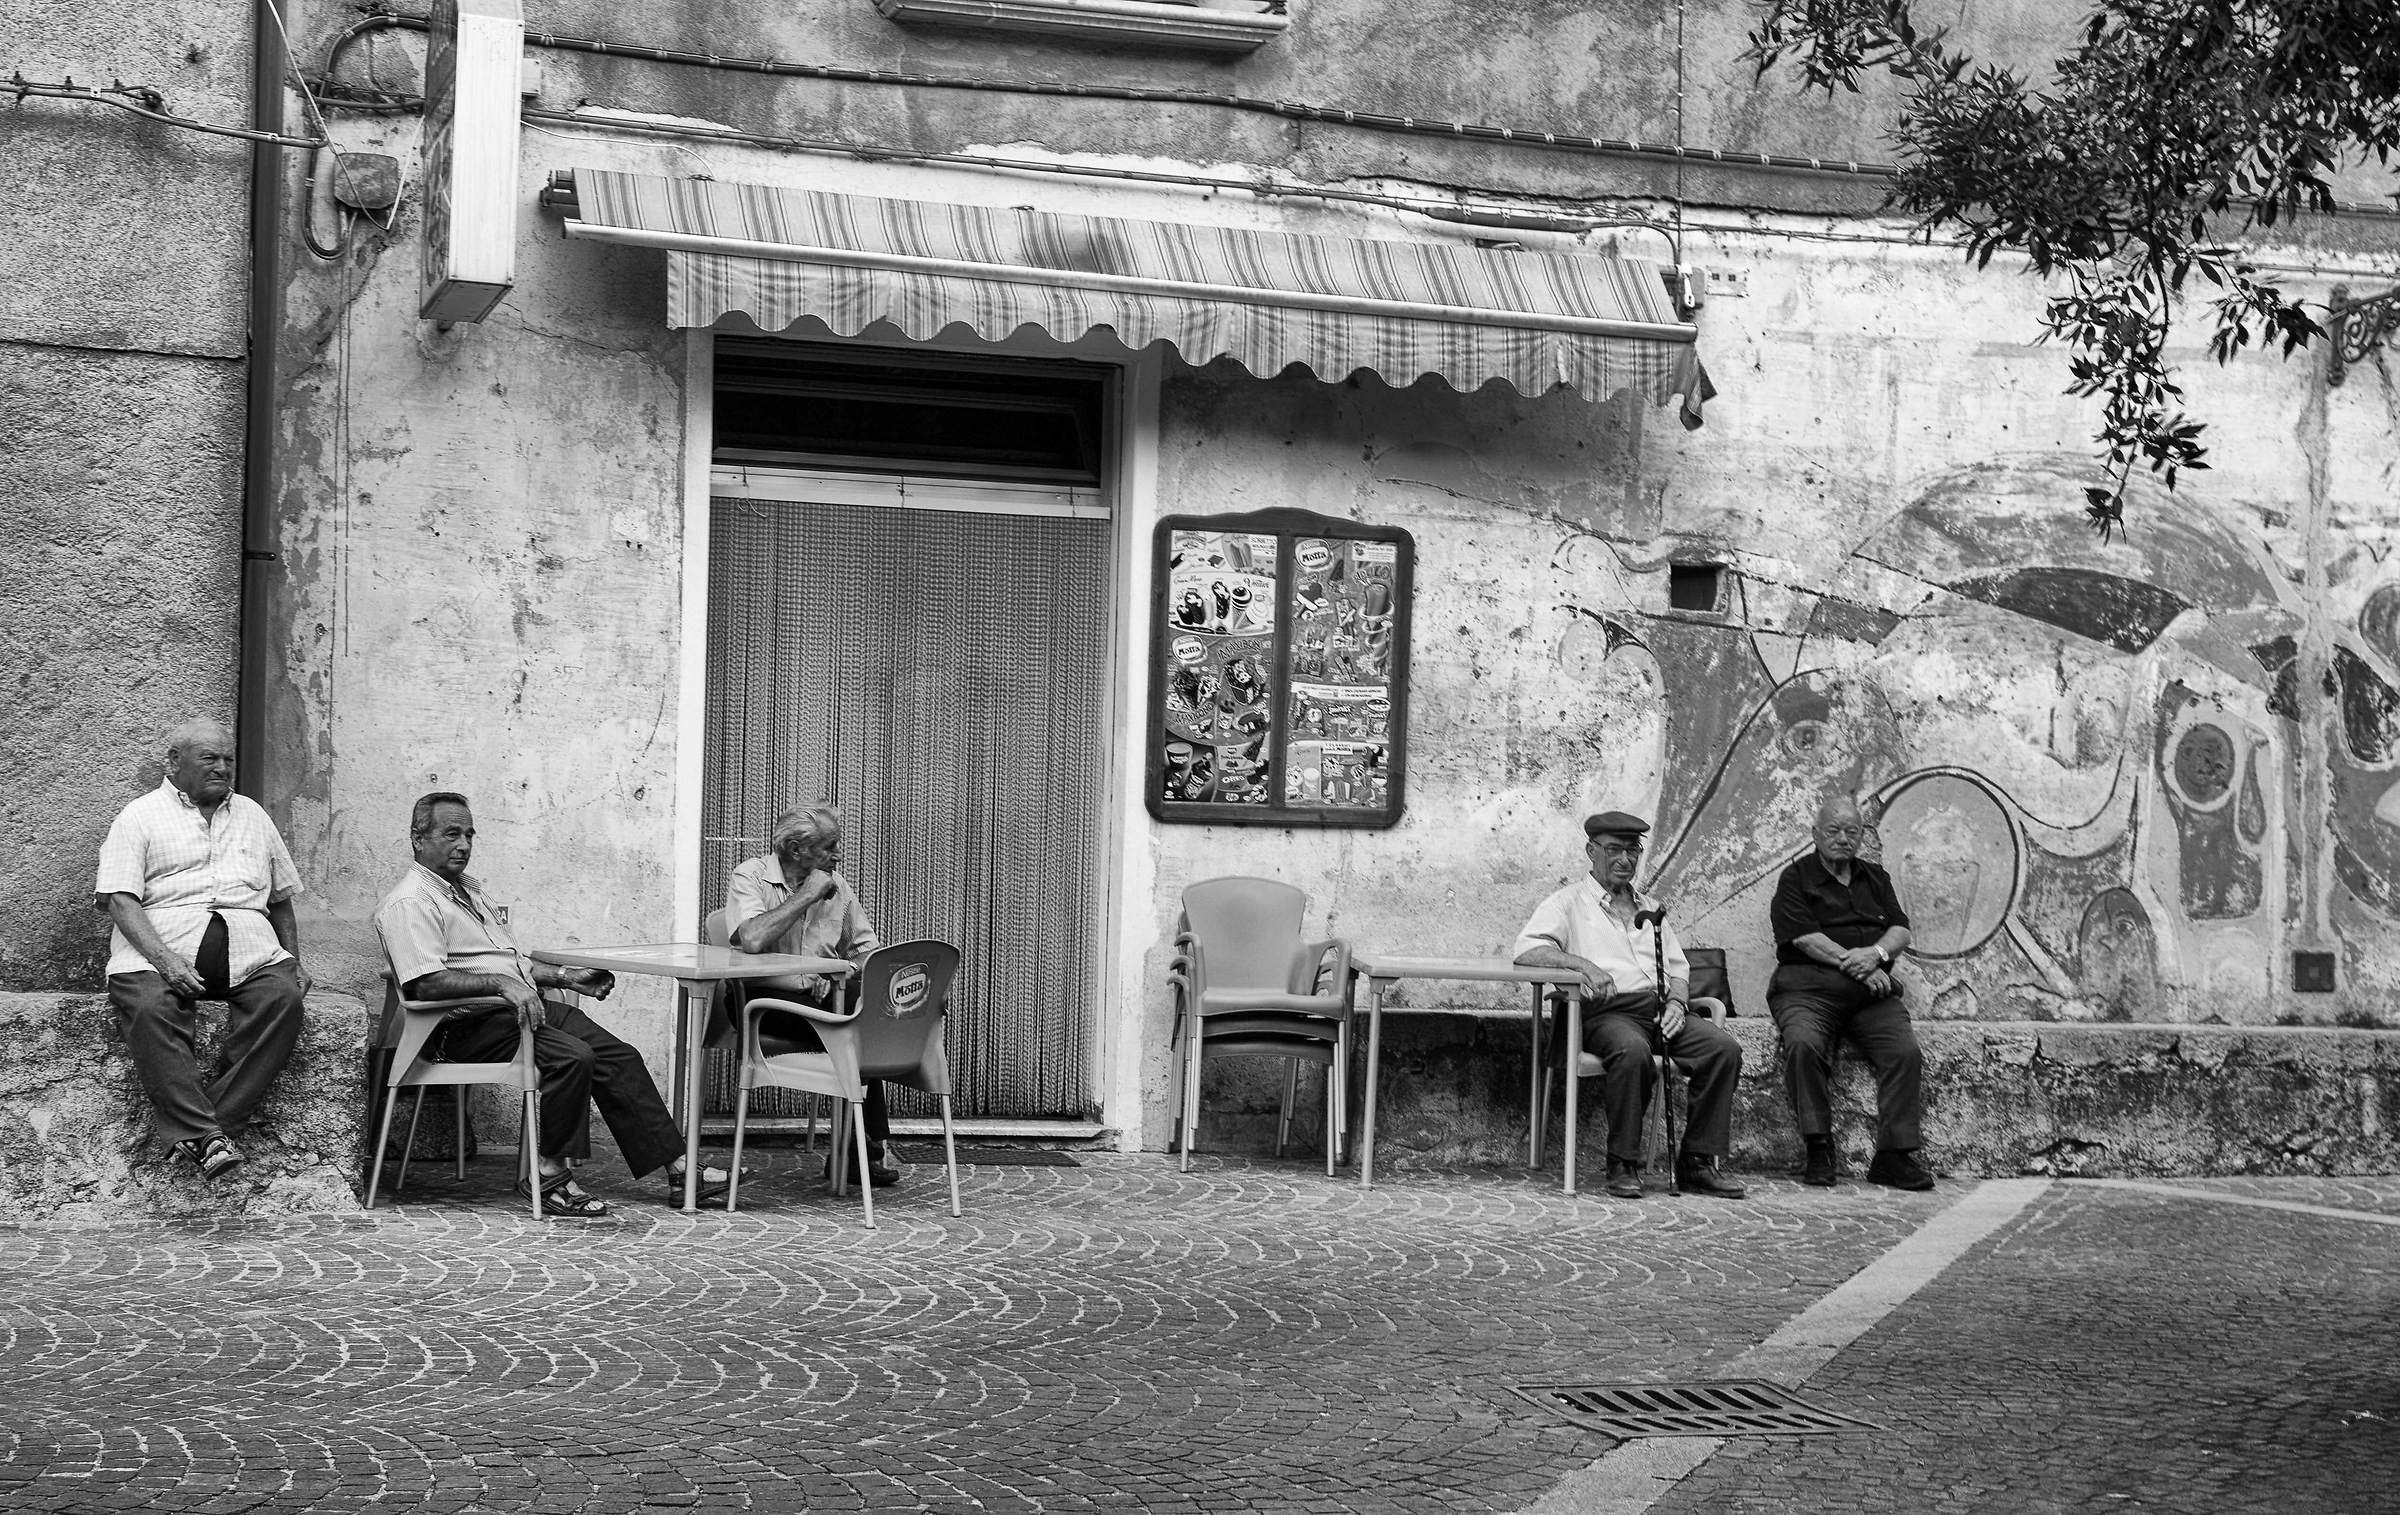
<point x="184" y="865"/>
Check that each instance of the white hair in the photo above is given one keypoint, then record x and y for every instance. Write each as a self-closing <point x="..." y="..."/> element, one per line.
<point x="190" y="729"/>
<point x="813" y="825"/>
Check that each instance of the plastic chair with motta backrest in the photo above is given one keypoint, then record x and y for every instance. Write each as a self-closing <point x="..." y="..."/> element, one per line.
<point x="718" y="933"/>
<point x="890" y="1029"/>
<point x="408" y="1030"/>
<point x="1248" y="983"/>
<point x="1703" y="1005"/>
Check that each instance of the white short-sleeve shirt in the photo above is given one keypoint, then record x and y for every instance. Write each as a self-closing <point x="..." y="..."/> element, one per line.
<point x="1576" y="919"/>
<point x="185" y="865"/>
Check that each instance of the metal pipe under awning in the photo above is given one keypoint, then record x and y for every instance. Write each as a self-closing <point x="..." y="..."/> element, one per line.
<point x="1232" y="294"/>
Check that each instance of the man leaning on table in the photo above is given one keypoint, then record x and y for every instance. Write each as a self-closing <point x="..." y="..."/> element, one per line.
<point x="1588" y="927"/>
<point x="446" y="940"/>
<point x="792" y="900"/>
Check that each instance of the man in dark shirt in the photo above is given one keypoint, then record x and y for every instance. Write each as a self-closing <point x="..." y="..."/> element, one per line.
<point x="1838" y="928"/>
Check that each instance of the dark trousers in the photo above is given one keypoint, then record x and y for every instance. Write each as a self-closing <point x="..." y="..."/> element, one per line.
<point x="161" y="1030"/>
<point x="1619" y="1030"/>
<point x="1814" y="1008"/>
<point x="782" y="1031"/>
<point x="581" y="1063"/>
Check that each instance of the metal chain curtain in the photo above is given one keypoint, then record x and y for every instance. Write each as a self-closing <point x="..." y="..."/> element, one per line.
<point x="940" y="676"/>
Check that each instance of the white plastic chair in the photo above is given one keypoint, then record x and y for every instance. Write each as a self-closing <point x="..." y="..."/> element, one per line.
<point x="1247" y="984"/>
<point x="1700" y="1005"/>
<point x="718" y="933"/>
<point x="408" y="1030"/>
<point x="891" y="1030"/>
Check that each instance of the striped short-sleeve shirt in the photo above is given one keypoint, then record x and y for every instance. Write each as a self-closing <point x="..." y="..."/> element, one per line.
<point x="185" y="865"/>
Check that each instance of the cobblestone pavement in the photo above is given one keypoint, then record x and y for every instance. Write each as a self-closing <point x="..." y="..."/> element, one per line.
<point x="1251" y="1336"/>
<point x="2116" y="1350"/>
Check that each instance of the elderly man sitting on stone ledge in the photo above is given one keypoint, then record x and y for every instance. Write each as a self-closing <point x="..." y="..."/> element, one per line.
<point x="199" y="888"/>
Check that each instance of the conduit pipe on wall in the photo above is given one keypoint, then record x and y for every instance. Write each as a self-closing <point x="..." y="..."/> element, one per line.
<point x="269" y="60"/>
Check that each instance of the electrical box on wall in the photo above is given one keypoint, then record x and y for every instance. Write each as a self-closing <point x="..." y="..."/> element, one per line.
<point x="1724" y="283"/>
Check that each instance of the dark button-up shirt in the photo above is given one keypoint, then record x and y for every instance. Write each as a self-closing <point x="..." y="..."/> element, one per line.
<point x="1809" y="899"/>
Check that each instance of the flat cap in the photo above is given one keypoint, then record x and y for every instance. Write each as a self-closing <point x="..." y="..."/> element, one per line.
<point x="1615" y="823"/>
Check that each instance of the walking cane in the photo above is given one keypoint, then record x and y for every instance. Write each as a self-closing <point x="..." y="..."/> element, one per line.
<point x="1656" y="915"/>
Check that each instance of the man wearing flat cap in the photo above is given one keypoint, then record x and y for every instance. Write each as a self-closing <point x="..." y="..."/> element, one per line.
<point x="1611" y="938"/>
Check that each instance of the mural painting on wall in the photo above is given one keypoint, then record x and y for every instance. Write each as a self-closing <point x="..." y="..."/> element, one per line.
<point x="2098" y="773"/>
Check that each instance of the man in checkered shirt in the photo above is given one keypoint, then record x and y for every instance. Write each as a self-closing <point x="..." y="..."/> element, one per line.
<point x="199" y="888"/>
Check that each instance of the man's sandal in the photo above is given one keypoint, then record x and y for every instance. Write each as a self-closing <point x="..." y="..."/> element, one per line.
<point x="214" y="1156"/>
<point x="562" y="1200"/>
<point x="712" y="1189"/>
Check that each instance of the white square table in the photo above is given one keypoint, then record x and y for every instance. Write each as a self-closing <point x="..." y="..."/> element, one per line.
<point x="1376" y="969"/>
<point x="696" y="968"/>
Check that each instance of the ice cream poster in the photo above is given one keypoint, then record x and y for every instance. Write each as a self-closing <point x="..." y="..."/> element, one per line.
<point x="1219" y="668"/>
<point x="1338" y="721"/>
<point x="1279" y="668"/>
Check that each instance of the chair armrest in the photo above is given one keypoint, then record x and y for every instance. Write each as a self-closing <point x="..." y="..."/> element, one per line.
<point x="815" y="1013"/>
<point x="453" y="1009"/>
<point x="1311" y="965"/>
<point x="1708" y="1005"/>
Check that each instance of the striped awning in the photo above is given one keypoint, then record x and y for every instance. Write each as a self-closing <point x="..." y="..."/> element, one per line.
<point x="1268" y="300"/>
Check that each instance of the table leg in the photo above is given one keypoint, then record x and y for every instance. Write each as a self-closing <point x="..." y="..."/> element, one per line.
<point x="1574" y="1067"/>
<point x="683" y="1011"/>
<point x="1533" y="1089"/>
<point x="694" y="1056"/>
<point x="1366" y="1135"/>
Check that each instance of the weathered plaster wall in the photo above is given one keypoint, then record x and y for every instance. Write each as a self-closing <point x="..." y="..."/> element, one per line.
<point x="483" y="531"/>
<point x="122" y="281"/>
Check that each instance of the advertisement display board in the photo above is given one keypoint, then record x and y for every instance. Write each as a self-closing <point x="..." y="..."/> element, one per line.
<point x="1279" y="670"/>
<point x="474" y="53"/>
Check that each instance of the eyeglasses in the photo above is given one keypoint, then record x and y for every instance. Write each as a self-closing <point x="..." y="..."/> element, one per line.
<point x="1621" y="849"/>
<point x="1853" y="833"/>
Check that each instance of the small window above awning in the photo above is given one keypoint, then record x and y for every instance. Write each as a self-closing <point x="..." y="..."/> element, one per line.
<point x="1268" y="300"/>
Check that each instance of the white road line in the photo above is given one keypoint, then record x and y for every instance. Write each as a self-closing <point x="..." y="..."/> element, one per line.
<point x="2219" y="1196"/>
<point x="1633" y="1475"/>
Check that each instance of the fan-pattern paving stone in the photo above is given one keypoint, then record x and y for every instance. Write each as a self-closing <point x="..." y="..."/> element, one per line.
<point x="1110" y="1337"/>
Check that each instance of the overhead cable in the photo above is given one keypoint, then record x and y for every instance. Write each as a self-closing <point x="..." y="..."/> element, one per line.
<point x="145" y="102"/>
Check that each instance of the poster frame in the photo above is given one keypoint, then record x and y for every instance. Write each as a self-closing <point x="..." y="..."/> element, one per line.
<point x="1289" y="525"/>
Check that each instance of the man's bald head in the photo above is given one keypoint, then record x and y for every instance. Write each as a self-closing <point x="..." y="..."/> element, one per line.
<point x="1839" y="829"/>
<point x="200" y="760"/>
<point x="1837" y="807"/>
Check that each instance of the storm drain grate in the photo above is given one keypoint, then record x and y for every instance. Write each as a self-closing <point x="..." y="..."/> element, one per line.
<point x="1729" y="1407"/>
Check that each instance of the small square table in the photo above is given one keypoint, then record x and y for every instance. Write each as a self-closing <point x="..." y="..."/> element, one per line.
<point x="1376" y="969"/>
<point x="696" y="968"/>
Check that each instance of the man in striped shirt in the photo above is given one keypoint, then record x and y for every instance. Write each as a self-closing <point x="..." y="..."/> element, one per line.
<point x="199" y="888"/>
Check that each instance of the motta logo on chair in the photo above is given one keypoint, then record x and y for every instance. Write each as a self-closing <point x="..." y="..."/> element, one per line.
<point x="910" y="985"/>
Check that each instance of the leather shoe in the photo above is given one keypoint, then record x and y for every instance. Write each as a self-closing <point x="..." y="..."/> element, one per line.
<point x="882" y="1170"/>
<point x="1699" y="1175"/>
<point x="1818" y="1171"/>
<point x="1898" y="1170"/>
<point x="1624" y="1178"/>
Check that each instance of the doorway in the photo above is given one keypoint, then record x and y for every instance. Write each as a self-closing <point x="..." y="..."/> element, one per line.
<point x="920" y="633"/>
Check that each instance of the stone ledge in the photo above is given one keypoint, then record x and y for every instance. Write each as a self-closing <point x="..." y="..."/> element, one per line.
<point x="75" y="1131"/>
<point x="2003" y="1098"/>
